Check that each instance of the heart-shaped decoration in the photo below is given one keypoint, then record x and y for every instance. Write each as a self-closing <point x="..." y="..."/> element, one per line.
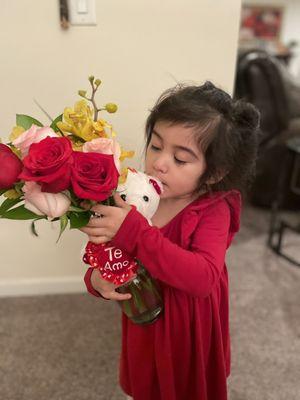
<point x="114" y="264"/>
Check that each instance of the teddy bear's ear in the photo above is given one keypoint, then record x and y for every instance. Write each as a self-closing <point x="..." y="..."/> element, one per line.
<point x="121" y="189"/>
<point x="132" y="170"/>
<point x="130" y="176"/>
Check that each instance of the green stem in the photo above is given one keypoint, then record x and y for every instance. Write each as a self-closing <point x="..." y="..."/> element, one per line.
<point x="126" y="308"/>
<point x="137" y="298"/>
<point x="92" y="100"/>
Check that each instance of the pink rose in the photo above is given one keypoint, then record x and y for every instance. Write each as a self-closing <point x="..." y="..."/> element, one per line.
<point x="104" y="146"/>
<point x="41" y="203"/>
<point x="33" y="135"/>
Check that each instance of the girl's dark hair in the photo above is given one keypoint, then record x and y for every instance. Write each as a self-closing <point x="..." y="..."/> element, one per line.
<point x="226" y="131"/>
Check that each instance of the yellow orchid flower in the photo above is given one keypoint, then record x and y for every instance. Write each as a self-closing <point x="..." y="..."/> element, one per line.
<point x="106" y="127"/>
<point x="81" y="108"/>
<point x="123" y="176"/>
<point x="99" y="128"/>
<point x="126" y="154"/>
<point x="16" y="132"/>
<point x="77" y="146"/>
<point x="11" y="194"/>
<point x="16" y="151"/>
<point x="79" y="122"/>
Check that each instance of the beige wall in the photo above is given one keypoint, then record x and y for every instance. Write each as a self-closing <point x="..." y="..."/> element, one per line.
<point x="138" y="49"/>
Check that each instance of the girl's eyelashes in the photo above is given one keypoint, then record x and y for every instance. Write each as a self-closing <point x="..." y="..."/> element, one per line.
<point x="155" y="148"/>
<point x="179" y="162"/>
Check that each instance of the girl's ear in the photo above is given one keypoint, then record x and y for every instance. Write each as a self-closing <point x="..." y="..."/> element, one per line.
<point x="218" y="176"/>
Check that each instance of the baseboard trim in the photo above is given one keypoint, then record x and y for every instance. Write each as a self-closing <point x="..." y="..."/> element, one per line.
<point x="42" y="286"/>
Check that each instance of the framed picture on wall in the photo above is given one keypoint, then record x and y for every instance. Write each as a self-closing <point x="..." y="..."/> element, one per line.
<point x="261" y="22"/>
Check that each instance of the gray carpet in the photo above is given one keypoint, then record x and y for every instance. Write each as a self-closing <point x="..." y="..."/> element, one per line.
<point x="66" y="347"/>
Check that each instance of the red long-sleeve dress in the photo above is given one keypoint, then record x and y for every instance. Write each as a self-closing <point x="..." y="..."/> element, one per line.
<point x="185" y="354"/>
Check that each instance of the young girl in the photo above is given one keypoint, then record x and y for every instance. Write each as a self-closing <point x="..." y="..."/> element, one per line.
<point x="202" y="146"/>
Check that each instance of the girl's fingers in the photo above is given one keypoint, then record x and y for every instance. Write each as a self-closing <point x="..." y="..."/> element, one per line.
<point x="93" y="231"/>
<point x="116" y="296"/>
<point x="99" y="239"/>
<point x="96" y="222"/>
<point x="107" y="289"/>
<point x="101" y="209"/>
<point x="131" y="279"/>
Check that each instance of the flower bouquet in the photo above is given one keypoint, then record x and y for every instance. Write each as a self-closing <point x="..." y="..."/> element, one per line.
<point x="58" y="172"/>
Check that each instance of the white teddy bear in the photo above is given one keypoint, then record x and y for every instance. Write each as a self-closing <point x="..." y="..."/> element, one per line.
<point x="143" y="191"/>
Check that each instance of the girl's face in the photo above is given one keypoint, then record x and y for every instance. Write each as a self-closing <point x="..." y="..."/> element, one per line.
<point x="174" y="157"/>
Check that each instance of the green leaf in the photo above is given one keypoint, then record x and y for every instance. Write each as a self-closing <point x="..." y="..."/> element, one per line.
<point x="26" y="121"/>
<point x="78" y="220"/>
<point x="54" y="122"/>
<point x="63" y="224"/>
<point x="110" y="201"/>
<point x="32" y="228"/>
<point x="20" y="213"/>
<point x="55" y="219"/>
<point x="7" y="204"/>
<point x="75" y="200"/>
<point x="78" y="139"/>
<point x="77" y="209"/>
<point x="19" y="185"/>
<point x="3" y="191"/>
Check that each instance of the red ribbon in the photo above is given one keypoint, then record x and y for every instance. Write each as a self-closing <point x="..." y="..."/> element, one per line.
<point x="156" y="186"/>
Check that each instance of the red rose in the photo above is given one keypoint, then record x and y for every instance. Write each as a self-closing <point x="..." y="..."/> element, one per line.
<point x="10" y="167"/>
<point x="49" y="162"/>
<point x="94" y="175"/>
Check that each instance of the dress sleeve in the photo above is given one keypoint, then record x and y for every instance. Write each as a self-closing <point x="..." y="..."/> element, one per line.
<point x="194" y="271"/>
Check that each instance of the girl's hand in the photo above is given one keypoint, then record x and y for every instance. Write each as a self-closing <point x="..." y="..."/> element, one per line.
<point x="106" y="289"/>
<point x="103" y="229"/>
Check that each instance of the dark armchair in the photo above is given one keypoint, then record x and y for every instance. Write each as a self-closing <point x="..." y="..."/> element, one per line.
<point x="265" y="82"/>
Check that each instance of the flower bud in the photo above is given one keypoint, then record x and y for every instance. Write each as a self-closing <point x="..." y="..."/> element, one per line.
<point x="91" y="78"/>
<point x="111" y="107"/>
<point x="97" y="82"/>
<point x="82" y="93"/>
